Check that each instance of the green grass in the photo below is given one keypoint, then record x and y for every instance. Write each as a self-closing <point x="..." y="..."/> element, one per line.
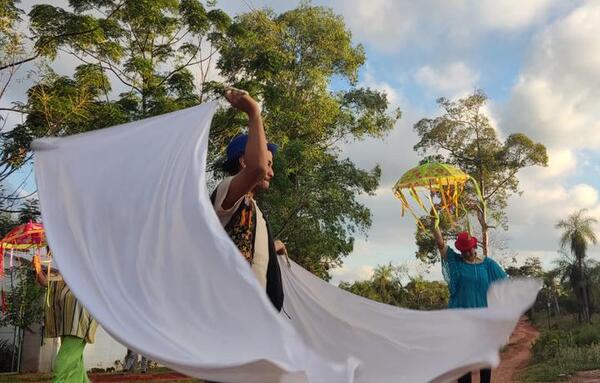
<point x="565" y="362"/>
<point x="46" y="378"/>
<point x="562" y="350"/>
<point x="25" y="378"/>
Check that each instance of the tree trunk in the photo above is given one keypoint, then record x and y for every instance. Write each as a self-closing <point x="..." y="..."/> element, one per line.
<point x="586" y="305"/>
<point x="556" y="306"/>
<point x="481" y="217"/>
<point x="583" y="288"/>
<point x="485" y="241"/>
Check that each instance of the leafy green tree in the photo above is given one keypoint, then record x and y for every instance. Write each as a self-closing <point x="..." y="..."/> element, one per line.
<point x="148" y="45"/>
<point x="145" y="49"/>
<point x="12" y="56"/>
<point x="11" y="41"/>
<point x="552" y="290"/>
<point x="7" y="222"/>
<point x="464" y="136"/>
<point x="577" y="235"/>
<point x="426" y="295"/>
<point x="288" y="61"/>
<point x="23" y="300"/>
<point x="531" y="268"/>
<point x="384" y="286"/>
<point x="30" y="211"/>
<point x="136" y="60"/>
<point x="143" y="58"/>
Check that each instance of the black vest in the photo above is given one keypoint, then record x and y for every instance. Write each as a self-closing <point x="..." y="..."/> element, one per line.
<point x="274" y="283"/>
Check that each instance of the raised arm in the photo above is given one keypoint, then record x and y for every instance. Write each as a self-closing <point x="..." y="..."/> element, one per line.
<point x="439" y="241"/>
<point x="42" y="278"/>
<point x="256" y="159"/>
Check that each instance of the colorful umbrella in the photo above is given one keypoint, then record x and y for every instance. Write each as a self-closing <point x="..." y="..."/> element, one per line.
<point x="23" y="239"/>
<point x="434" y="178"/>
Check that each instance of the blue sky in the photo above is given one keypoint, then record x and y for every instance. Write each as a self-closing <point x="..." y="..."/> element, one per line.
<point x="539" y="63"/>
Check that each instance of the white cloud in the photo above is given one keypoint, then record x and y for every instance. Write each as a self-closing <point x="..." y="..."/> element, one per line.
<point x="584" y="196"/>
<point x="533" y="215"/>
<point x="560" y="162"/>
<point x="512" y="14"/>
<point x="555" y="100"/>
<point x="351" y="274"/>
<point x="451" y="80"/>
<point x="393" y="24"/>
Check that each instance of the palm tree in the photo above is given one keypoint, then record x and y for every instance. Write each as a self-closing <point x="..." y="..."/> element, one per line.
<point x="386" y="281"/>
<point x="552" y="289"/>
<point x="577" y="235"/>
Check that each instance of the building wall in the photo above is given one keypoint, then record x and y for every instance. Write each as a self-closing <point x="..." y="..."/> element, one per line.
<point x="104" y="353"/>
<point x="38" y="355"/>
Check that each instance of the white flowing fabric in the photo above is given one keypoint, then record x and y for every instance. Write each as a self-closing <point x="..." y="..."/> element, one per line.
<point x="128" y="217"/>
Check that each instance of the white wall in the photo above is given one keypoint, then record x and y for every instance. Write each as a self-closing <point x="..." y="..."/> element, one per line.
<point x="103" y="352"/>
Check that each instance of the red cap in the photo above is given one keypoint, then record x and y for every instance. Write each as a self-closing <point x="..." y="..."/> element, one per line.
<point x="465" y="242"/>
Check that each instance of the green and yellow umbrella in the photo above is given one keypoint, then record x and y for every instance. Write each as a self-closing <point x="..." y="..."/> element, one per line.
<point x="445" y="180"/>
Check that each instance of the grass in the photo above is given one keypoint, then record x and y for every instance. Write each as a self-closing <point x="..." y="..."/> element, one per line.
<point x="46" y="378"/>
<point x="563" y="349"/>
<point x="567" y="361"/>
<point x="13" y="378"/>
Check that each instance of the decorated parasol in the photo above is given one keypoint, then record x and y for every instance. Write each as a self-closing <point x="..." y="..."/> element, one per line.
<point x="24" y="241"/>
<point x="431" y="179"/>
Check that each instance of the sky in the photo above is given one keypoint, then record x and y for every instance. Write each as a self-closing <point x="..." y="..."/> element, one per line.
<point x="539" y="63"/>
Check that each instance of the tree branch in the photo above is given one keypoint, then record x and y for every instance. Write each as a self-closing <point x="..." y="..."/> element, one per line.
<point x="118" y="73"/>
<point x="189" y="63"/>
<point x="500" y="185"/>
<point x="14" y="64"/>
<point x="10" y="211"/>
<point x="20" y="197"/>
<point x="62" y="35"/>
<point x="453" y="152"/>
<point x="14" y="110"/>
<point x="291" y="218"/>
<point x="12" y="170"/>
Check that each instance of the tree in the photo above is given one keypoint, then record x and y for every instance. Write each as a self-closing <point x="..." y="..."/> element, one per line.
<point x="12" y="56"/>
<point x="7" y="222"/>
<point x="136" y="60"/>
<point x="147" y="48"/>
<point x="11" y="42"/>
<point x="464" y="136"/>
<point x="23" y="299"/>
<point x="30" y="211"/>
<point x="578" y="234"/>
<point x="426" y="295"/>
<point x="385" y="286"/>
<point x="148" y="45"/>
<point x="593" y="279"/>
<point x="532" y="267"/>
<point x="552" y="290"/>
<point x="387" y="283"/>
<point x="288" y="61"/>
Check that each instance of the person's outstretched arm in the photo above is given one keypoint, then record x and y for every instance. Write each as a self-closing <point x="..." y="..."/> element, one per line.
<point x="439" y="240"/>
<point x="256" y="160"/>
<point x="41" y="278"/>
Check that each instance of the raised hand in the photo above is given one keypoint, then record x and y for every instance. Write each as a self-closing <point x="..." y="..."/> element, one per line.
<point x="241" y="100"/>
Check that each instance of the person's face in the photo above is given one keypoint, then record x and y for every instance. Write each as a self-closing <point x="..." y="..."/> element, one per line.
<point x="470" y="254"/>
<point x="266" y="182"/>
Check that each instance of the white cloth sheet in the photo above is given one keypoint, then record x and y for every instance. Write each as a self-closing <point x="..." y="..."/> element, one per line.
<point x="132" y="229"/>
